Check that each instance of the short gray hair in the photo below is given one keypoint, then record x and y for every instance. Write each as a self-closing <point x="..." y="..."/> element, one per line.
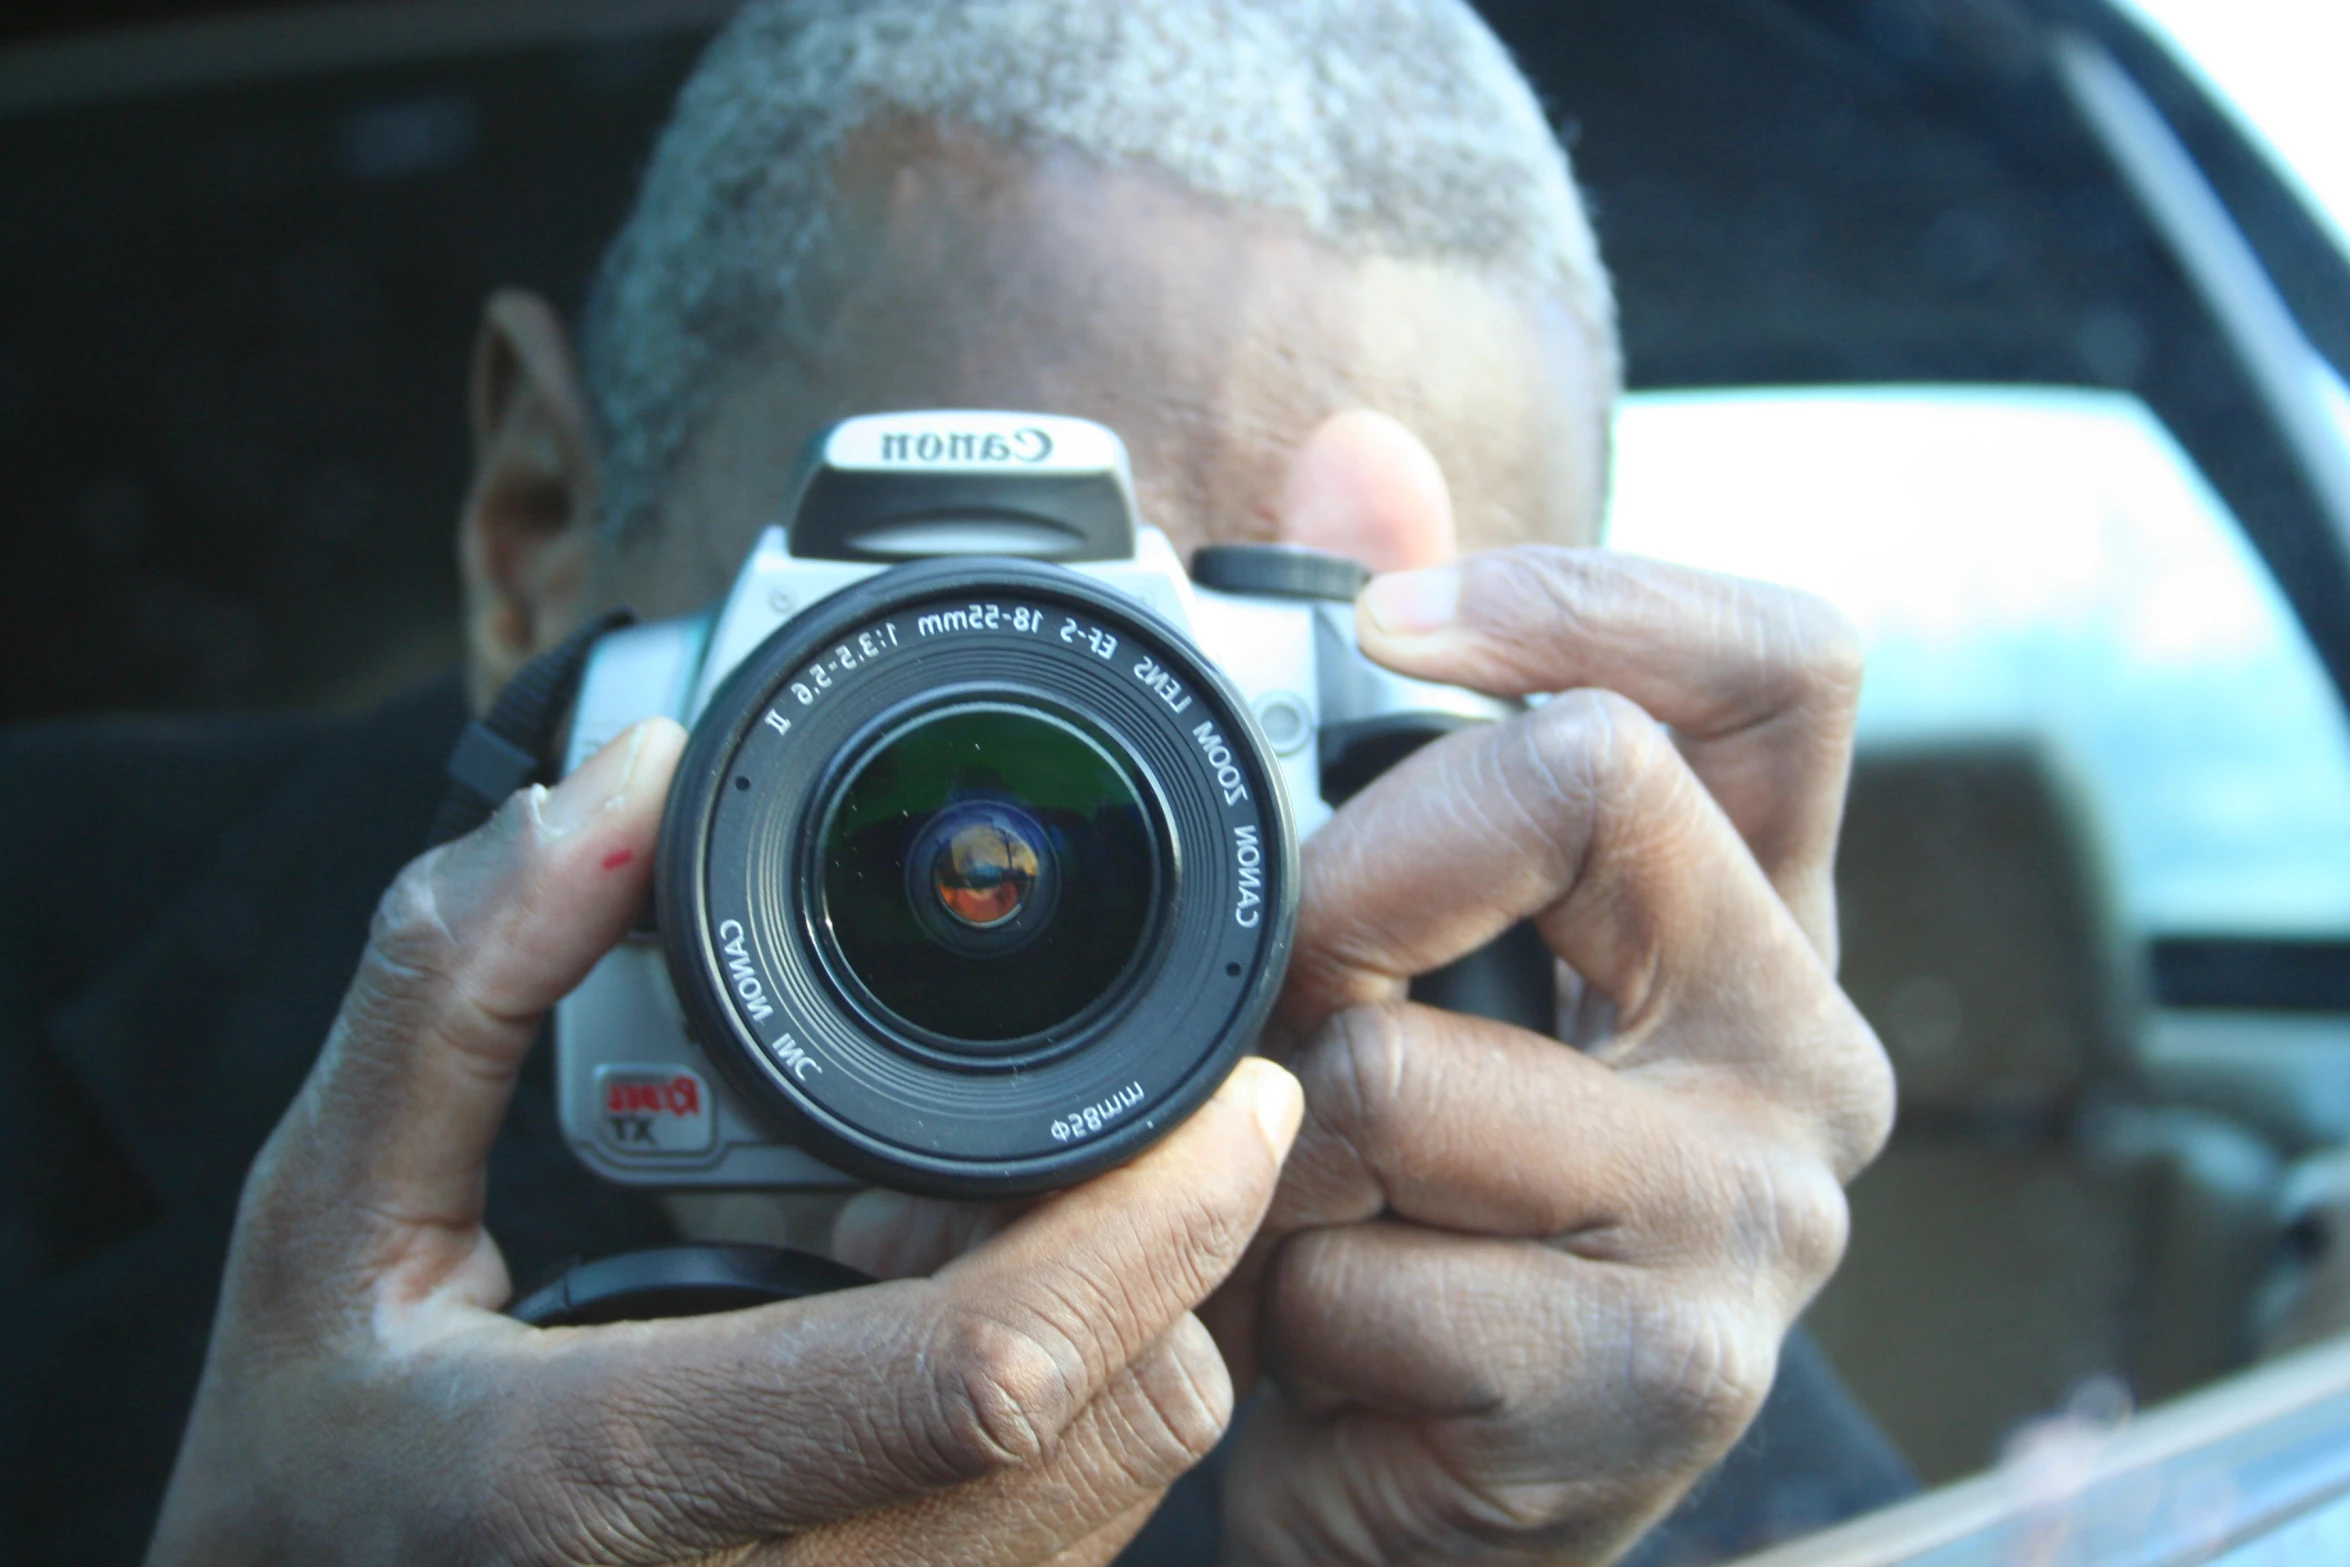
<point x="1390" y="127"/>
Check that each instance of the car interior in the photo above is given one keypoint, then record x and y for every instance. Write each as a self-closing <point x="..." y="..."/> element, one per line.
<point x="244" y="255"/>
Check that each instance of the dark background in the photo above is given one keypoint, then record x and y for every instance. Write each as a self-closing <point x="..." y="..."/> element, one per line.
<point x="236" y="300"/>
<point x="30" y="19"/>
<point x="233" y="334"/>
<point x="241" y="258"/>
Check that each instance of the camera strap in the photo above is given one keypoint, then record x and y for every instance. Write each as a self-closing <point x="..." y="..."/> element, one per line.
<point x="513" y="744"/>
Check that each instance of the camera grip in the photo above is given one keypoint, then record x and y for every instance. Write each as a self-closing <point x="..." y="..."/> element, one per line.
<point x="1512" y="979"/>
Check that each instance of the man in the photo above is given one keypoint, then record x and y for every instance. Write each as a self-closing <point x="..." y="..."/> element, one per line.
<point x="1321" y="265"/>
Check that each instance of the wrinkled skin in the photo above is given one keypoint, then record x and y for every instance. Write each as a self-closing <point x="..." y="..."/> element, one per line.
<point x="1509" y="1299"/>
<point x="364" y="1402"/>
<point x="1512" y="1298"/>
<point x="1515" y="1298"/>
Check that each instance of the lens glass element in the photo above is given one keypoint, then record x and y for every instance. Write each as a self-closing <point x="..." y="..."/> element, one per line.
<point x="981" y="861"/>
<point x="988" y="873"/>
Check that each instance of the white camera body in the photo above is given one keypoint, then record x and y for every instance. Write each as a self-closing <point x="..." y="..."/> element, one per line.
<point x="637" y="1098"/>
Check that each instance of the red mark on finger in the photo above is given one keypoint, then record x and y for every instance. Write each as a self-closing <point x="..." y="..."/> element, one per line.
<point x="618" y="858"/>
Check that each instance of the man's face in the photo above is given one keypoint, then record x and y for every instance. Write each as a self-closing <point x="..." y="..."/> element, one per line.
<point x="1212" y="339"/>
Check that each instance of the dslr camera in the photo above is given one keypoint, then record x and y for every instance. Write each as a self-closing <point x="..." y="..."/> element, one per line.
<point x="980" y="868"/>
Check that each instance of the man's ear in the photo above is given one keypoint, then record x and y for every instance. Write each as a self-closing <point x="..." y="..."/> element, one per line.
<point x="526" y="538"/>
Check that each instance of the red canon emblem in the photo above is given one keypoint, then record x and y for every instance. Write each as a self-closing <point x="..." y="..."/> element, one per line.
<point x="679" y="1096"/>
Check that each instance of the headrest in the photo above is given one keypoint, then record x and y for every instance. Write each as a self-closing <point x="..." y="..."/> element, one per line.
<point x="1979" y="930"/>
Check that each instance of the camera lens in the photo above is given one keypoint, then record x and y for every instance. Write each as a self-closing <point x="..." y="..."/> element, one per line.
<point x="976" y="879"/>
<point x="988" y="873"/>
<point x="979" y="864"/>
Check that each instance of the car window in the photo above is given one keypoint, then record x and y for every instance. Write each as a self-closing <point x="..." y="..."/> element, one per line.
<point x="2045" y="562"/>
<point x="2276" y="65"/>
<point x="247" y="291"/>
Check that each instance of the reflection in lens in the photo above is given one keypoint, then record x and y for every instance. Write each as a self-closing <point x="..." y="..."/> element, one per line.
<point x="982" y="862"/>
<point x="988" y="873"/>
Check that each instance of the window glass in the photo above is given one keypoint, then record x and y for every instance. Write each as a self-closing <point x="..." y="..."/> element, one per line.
<point x="2276" y="64"/>
<point x="2044" y="561"/>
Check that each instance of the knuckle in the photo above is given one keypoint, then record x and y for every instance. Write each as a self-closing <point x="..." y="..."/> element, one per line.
<point x="1313" y="1283"/>
<point x="1183" y="1405"/>
<point x="1473" y="1502"/>
<point x="1354" y="1076"/>
<point x="410" y="931"/>
<point x="1788" y="1216"/>
<point x="1217" y="1231"/>
<point x="1486" y="1509"/>
<point x="1597" y="744"/>
<point x="1699" y="1373"/>
<point x="1191" y="1234"/>
<point x="1553" y="586"/>
<point x="1852" y="1090"/>
<point x="277" y="1226"/>
<point x="1865" y="1110"/>
<point x="1828" y="653"/>
<point x="1526" y="585"/>
<point x="1813" y="1221"/>
<point x="1611" y="766"/>
<point x="999" y="1397"/>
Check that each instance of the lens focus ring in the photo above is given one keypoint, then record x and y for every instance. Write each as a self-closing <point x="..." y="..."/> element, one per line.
<point x="977" y="878"/>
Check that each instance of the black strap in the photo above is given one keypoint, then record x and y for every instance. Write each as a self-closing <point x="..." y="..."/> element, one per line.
<point x="513" y="744"/>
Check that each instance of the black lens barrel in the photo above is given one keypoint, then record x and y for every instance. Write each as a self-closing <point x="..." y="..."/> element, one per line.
<point x="977" y="878"/>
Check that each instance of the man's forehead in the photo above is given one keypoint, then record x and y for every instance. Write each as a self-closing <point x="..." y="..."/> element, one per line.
<point x="961" y="273"/>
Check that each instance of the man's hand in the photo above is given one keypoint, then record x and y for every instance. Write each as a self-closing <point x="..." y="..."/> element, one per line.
<point x="363" y="1400"/>
<point x="1513" y="1297"/>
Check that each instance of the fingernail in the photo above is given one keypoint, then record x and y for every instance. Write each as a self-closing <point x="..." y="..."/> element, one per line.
<point x="1274" y="1098"/>
<point x="601" y="783"/>
<point x="1414" y="603"/>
